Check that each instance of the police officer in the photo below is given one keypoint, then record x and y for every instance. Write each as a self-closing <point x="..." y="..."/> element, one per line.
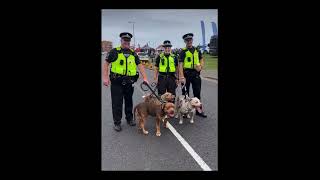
<point x="190" y="64"/>
<point x="123" y="73"/>
<point x="166" y="70"/>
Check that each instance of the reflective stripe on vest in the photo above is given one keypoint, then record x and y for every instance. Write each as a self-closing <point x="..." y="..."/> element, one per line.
<point x="128" y="66"/>
<point x="163" y="66"/>
<point x="194" y="59"/>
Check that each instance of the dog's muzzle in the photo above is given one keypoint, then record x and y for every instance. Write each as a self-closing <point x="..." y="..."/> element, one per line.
<point x="171" y="113"/>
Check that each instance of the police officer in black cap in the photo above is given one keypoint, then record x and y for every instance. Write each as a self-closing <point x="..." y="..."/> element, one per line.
<point x="123" y="73"/>
<point x="190" y="64"/>
<point x="166" y="70"/>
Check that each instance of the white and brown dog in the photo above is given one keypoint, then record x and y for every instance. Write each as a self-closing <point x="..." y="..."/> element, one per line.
<point x="186" y="106"/>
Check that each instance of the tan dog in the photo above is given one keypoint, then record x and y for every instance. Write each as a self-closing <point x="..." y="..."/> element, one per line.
<point x="168" y="97"/>
<point x="160" y="111"/>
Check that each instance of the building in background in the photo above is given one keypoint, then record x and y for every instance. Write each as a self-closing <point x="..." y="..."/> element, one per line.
<point x="106" y="46"/>
<point x="159" y="49"/>
<point x="213" y="45"/>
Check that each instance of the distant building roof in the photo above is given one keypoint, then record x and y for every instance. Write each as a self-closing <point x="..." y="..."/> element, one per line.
<point x="146" y="47"/>
<point x="160" y="47"/>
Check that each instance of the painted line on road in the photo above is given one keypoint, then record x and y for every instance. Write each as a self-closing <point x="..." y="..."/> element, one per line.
<point x="185" y="144"/>
<point x="208" y="79"/>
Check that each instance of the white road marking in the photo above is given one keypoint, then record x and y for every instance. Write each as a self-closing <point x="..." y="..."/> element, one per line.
<point x="195" y="156"/>
<point x="185" y="144"/>
<point x="208" y="79"/>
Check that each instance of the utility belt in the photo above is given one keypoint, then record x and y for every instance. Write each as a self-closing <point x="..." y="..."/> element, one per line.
<point x="122" y="79"/>
<point x="191" y="72"/>
<point x="167" y="75"/>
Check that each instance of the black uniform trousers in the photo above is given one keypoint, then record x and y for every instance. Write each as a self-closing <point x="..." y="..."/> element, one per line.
<point x="119" y="93"/>
<point x="193" y="77"/>
<point x="166" y="83"/>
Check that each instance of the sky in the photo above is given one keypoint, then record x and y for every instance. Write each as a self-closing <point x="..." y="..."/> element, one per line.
<point x="155" y="26"/>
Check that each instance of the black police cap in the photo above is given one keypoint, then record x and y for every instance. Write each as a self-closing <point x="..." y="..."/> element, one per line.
<point x="125" y="35"/>
<point x="167" y="43"/>
<point x="187" y="36"/>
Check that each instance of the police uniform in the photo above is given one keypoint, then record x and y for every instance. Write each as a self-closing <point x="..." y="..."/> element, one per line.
<point x="123" y="73"/>
<point x="167" y="66"/>
<point x="190" y="57"/>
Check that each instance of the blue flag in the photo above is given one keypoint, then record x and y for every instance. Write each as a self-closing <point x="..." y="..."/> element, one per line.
<point x="214" y="28"/>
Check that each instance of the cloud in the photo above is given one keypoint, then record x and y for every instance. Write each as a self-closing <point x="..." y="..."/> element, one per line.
<point x="157" y="25"/>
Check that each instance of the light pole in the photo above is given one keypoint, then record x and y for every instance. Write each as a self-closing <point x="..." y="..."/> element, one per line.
<point x="134" y="37"/>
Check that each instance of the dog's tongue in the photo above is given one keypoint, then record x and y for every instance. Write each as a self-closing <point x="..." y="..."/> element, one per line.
<point x="171" y="114"/>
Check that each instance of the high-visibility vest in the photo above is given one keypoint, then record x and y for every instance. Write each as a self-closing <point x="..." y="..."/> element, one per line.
<point x="124" y="66"/>
<point x="190" y="60"/>
<point x="167" y="63"/>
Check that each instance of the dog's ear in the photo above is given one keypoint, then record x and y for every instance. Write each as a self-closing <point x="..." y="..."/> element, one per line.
<point x="162" y="96"/>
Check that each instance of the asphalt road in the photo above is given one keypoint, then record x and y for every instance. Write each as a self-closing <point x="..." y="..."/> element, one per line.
<point x="130" y="150"/>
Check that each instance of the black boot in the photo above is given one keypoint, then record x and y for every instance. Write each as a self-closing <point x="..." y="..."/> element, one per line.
<point x="131" y="122"/>
<point x="202" y="114"/>
<point x="117" y="127"/>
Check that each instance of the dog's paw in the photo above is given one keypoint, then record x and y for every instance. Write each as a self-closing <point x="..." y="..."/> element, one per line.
<point x="180" y="122"/>
<point x="158" y="134"/>
<point x="192" y="121"/>
<point x="145" y="132"/>
<point x="165" y="125"/>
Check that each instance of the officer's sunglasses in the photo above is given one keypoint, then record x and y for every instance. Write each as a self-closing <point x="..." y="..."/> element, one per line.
<point x="126" y="40"/>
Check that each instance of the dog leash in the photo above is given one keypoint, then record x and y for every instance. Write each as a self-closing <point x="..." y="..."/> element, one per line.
<point x="184" y="90"/>
<point x="152" y="90"/>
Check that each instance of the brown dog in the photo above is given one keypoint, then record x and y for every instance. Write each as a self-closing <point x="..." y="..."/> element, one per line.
<point x="160" y="111"/>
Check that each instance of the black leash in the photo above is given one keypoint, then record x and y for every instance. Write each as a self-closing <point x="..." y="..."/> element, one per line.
<point x="184" y="90"/>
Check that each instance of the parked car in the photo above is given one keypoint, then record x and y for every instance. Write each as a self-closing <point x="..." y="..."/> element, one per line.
<point x="143" y="56"/>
